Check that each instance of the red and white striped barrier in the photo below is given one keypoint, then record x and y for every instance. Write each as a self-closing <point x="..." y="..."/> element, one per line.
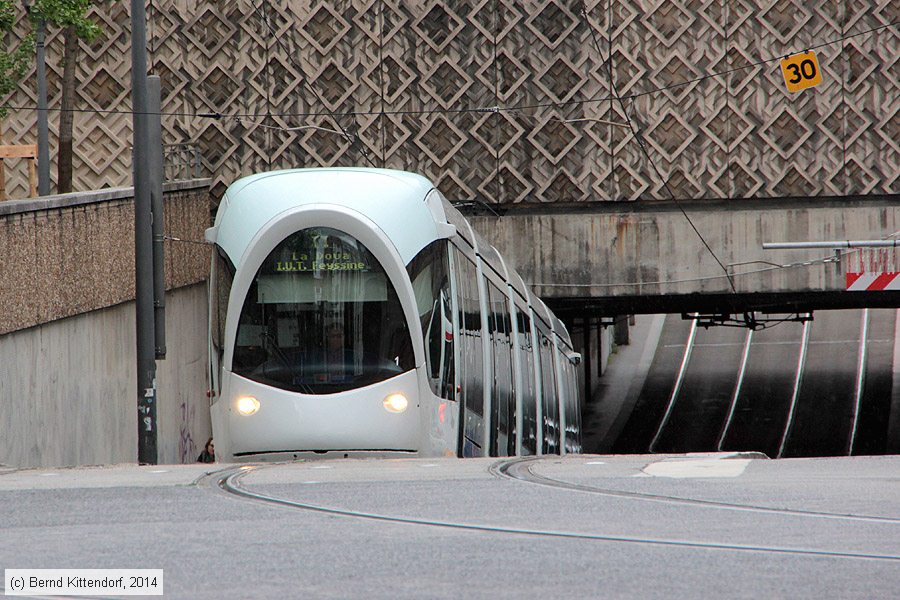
<point x="873" y="282"/>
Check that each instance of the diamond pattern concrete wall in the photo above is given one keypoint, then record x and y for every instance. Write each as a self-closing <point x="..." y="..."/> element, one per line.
<point x="416" y="81"/>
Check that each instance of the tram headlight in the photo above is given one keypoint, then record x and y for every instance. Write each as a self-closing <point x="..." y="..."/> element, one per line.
<point x="247" y="405"/>
<point x="396" y="403"/>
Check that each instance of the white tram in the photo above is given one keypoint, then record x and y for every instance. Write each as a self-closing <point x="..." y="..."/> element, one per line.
<point x="356" y="311"/>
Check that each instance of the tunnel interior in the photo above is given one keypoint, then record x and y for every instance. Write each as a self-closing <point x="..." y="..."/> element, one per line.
<point x="799" y="383"/>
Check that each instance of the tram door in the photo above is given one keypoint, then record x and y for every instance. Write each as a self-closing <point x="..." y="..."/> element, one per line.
<point x="471" y="392"/>
<point x="528" y="391"/>
<point x="550" y="395"/>
<point x="503" y="401"/>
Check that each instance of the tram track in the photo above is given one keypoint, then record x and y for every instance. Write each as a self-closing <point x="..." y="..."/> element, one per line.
<point x="228" y="482"/>
<point x="519" y="469"/>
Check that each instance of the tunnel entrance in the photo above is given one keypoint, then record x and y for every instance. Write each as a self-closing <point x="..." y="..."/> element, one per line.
<point x="796" y="385"/>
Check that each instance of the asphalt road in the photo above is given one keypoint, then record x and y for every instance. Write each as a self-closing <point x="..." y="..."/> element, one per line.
<point x="872" y="430"/>
<point x="701" y="407"/>
<point x="650" y="407"/>
<point x="762" y="408"/>
<point x="823" y="417"/>
<point x="625" y="527"/>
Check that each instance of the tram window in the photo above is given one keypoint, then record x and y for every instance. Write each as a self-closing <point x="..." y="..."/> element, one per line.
<point x="321" y="316"/>
<point x="471" y="352"/>
<point x="429" y="273"/>
<point x="499" y="327"/>
<point x="222" y="280"/>
<point x="567" y="412"/>
<point x="458" y="265"/>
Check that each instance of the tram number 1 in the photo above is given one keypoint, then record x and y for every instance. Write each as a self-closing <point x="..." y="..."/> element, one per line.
<point x="801" y="71"/>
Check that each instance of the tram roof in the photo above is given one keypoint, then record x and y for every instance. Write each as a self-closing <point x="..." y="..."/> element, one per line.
<point x="393" y="200"/>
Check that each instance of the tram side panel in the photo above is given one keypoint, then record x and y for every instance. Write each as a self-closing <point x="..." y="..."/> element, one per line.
<point x="546" y="388"/>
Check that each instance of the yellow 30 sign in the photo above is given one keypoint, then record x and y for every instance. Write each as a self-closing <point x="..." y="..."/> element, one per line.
<point x="801" y="71"/>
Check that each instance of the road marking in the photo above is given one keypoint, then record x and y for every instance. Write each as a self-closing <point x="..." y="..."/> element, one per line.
<point x="595" y="462"/>
<point x="704" y="467"/>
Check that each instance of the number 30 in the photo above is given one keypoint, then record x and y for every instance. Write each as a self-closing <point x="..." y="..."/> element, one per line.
<point x="806" y="70"/>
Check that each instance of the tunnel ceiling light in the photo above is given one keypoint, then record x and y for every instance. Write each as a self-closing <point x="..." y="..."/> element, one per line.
<point x="396" y="403"/>
<point x="247" y="405"/>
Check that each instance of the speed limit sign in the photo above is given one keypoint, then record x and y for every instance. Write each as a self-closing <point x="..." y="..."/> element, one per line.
<point x="801" y="71"/>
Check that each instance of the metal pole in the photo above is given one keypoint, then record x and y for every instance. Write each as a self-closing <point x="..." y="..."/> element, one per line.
<point x="831" y="244"/>
<point x="43" y="128"/>
<point x="155" y="150"/>
<point x="143" y="241"/>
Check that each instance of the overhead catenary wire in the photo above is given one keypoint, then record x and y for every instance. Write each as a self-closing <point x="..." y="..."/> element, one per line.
<point x="223" y="114"/>
<point x="348" y="136"/>
<point x="355" y="140"/>
<point x="773" y="267"/>
<point x="638" y="136"/>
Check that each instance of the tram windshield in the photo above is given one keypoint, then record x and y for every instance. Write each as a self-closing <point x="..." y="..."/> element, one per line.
<point x="321" y="317"/>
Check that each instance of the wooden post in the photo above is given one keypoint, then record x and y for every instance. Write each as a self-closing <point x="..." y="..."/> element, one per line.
<point x="32" y="178"/>
<point x="28" y="151"/>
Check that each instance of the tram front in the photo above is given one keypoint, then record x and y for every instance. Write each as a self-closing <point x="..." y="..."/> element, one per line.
<point x="315" y="346"/>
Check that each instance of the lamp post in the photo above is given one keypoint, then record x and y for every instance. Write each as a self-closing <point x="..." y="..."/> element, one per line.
<point x="143" y="241"/>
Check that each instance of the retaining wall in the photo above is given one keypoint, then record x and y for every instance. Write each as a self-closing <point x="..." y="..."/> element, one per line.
<point x="68" y="391"/>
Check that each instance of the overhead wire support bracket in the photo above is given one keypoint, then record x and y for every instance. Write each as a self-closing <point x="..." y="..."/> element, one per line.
<point x="747" y="320"/>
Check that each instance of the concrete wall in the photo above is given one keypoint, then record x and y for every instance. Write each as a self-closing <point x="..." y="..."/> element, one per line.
<point x="652" y="250"/>
<point x="68" y="388"/>
<point x="68" y="391"/>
